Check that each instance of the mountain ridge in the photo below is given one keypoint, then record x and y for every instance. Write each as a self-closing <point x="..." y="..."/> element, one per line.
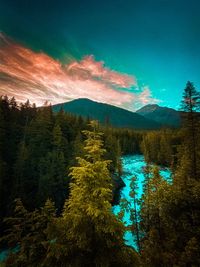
<point x="106" y="113"/>
<point x="164" y="115"/>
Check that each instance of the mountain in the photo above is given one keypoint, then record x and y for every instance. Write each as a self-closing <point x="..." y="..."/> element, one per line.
<point x="117" y="117"/>
<point x="163" y="115"/>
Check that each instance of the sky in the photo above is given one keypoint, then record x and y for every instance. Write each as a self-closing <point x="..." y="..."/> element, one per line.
<point x="127" y="53"/>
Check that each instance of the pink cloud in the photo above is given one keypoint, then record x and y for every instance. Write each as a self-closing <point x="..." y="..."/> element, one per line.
<point x="146" y="97"/>
<point x="26" y="74"/>
<point x="91" y="68"/>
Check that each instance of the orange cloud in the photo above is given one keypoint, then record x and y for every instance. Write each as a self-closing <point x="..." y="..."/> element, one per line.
<point x="26" y="74"/>
<point x="90" y="68"/>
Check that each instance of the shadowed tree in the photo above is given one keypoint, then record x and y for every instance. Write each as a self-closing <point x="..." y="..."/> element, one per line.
<point x="190" y="104"/>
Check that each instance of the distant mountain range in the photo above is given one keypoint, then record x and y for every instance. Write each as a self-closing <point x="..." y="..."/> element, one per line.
<point x="148" y="117"/>
<point x="163" y="115"/>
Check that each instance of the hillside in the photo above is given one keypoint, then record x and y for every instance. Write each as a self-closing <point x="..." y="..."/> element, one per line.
<point x="163" y="115"/>
<point x="105" y="113"/>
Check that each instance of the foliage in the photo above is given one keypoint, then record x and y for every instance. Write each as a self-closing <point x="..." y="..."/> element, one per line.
<point x="91" y="235"/>
<point x="170" y="215"/>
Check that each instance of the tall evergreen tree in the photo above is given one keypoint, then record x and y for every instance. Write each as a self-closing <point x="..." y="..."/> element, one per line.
<point x="190" y="105"/>
<point x="21" y="187"/>
<point x="152" y="226"/>
<point x="91" y="235"/>
<point x="3" y="189"/>
<point x="27" y="234"/>
<point x="134" y="212"/>
<point x="52" y="172"/>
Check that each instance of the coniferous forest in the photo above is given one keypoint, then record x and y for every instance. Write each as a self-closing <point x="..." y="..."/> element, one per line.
<point x="61" y="174"/>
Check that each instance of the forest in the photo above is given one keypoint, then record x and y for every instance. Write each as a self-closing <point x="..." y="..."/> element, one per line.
<point x="60" y="175"/>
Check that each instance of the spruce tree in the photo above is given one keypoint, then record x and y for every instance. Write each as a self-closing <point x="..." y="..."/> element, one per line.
<point x="129" y="209"/>
<point x="190" y="105"/>
<point x="52" y="172"/>
<point x="3" y="189"/>
<point x="134" y="212"/>
<point x="153" y="229"/>
<point x="27" y="235"/>
<point x="91" y="235"/>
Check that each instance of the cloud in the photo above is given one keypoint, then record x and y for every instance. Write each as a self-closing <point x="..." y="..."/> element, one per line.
<point x="89" y="68"/>
<point x="26" y="74"/>
<point x="146" y="97"/>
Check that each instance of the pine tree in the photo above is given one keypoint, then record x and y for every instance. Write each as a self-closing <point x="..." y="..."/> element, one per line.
<point x="91" y="235"/>
<point x="21" y="187"/>
<point x="153" y="229"/>
<point x="27" y="235"/>
<point x="118" y="160"/>
<point x="39" y="143"/>
<point x="146" y="196"/>
<point x="134" y="214"/>
<point x="16" y="224"/>
<point x="3" y="165"/>
<point x="52" y="172"/>
<point x="129" y="207"/>
<point x="190" y="105"/>
<point x="191" y="99"/>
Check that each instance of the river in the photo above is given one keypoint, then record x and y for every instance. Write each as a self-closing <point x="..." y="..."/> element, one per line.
<point x="133" y="166"/>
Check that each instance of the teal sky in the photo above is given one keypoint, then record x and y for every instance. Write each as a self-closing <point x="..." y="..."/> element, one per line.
<point x="156" y="41"/>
